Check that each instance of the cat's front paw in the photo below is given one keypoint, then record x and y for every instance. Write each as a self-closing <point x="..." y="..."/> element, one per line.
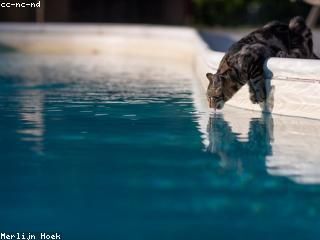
<point x="253" y="99"/>
<point x="257" y="97"/>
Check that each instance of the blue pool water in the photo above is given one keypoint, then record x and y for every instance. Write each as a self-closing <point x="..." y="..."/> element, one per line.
<point x="99" y="147"/>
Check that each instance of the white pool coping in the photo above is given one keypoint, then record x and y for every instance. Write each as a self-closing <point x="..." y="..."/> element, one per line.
<point x="296" y="81"/>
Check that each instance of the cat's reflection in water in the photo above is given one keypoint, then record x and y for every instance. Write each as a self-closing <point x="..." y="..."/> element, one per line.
<point x="238" y="150"/>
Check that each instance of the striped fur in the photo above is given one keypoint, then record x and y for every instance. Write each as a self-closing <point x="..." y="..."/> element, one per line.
<point x="243" y="62"/>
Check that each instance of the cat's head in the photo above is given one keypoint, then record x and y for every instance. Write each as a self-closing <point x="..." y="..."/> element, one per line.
<point x="215" y="91"/>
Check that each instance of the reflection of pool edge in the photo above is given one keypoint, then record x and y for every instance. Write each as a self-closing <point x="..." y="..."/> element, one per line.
<point x="293" y="141"/>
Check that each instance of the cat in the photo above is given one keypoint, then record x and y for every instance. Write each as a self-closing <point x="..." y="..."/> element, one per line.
<point x="243" y="62"/>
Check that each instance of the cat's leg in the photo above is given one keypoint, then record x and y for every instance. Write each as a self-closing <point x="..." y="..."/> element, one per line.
<point x="252" y="93"/>
<point x="257" y="89"/>
<point x="256" y="78"/>
<point x="251" y="63"/>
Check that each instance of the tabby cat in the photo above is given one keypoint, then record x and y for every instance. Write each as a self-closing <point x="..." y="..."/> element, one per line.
<point x="243" y="62"/>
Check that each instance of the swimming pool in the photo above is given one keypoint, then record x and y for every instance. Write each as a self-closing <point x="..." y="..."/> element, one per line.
<point x="120" y="146"/>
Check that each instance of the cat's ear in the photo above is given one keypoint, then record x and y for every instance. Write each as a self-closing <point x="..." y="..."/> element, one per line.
<point x="210" y="77"/>
<point x="297" y="24"/>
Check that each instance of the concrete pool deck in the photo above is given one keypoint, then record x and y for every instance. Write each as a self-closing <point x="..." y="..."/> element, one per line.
<point x="296" y="82"/>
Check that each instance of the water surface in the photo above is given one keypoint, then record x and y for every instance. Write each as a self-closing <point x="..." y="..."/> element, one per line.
<point x="114" y="148"/>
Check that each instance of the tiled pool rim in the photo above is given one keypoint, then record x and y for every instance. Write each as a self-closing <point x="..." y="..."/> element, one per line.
<point x="296" y="81"/>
